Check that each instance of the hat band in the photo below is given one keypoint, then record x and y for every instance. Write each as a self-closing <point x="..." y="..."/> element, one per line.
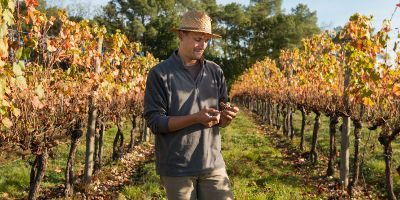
<point x="196" y="29"/>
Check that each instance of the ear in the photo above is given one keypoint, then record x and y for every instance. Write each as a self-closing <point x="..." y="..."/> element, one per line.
<point x="180" y="35"/>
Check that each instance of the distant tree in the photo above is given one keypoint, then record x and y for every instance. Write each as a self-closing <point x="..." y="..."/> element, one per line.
<point x="146" y="21"/>
<point x="282" y="31"/>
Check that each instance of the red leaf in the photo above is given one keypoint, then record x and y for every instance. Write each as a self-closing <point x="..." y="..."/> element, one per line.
<point x="398" y="5"/>
<point x="33" y="3"/>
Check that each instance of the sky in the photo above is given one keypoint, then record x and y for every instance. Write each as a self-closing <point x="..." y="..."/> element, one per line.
<point x="331" y="13"/>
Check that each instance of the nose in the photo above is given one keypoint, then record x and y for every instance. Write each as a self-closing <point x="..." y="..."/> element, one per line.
<point x="202" y="44"/>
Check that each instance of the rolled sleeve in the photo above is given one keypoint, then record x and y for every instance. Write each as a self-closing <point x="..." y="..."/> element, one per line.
<point x="223" y="92"/>
<point x="155" y="104"/>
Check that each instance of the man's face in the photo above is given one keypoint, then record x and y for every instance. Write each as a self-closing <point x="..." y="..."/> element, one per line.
<point x="193" y="44"/>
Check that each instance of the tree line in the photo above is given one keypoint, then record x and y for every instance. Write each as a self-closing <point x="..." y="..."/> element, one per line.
<point x="249" y="33"/>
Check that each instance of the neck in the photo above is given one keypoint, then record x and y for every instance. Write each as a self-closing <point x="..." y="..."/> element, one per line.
<point x="186" y="61"/>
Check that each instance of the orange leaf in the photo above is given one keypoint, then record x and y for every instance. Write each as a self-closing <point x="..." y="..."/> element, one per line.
<point x="36" y="103"/>
<point x="50" y="46"/>
<point x="116" y="72"/>
<point x="396" y="89"/>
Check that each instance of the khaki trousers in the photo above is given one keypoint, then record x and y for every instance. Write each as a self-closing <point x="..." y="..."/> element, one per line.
<point x="214" y="185"/>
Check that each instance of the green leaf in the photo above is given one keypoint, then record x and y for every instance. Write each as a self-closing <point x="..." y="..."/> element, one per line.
<point x="18" y="53"/>
<point x="3" y="111"/>
<point x="366" y="92"/>
<point x="375" y="77"/>
<point x="21" y="64"/>
<point x="40" y="92"/>
<point x="21" y="82"/>
<point x="31" y="43"/>
<point x="26" y="53"/>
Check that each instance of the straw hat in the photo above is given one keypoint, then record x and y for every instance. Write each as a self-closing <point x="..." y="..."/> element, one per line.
<point x="196" y="22"/>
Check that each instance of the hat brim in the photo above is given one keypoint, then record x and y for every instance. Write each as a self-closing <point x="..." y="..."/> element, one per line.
<point x="176" y="30"/>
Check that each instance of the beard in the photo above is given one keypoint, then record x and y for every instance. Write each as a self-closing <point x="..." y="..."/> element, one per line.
<point x="196" y="55"/>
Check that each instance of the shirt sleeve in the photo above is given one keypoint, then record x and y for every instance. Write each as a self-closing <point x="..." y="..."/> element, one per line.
<point x="155" y="103"/>
<point x="223" y="91"/>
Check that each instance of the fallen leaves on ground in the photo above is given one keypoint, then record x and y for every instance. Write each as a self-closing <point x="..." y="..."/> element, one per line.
<point x="107" y="183"/>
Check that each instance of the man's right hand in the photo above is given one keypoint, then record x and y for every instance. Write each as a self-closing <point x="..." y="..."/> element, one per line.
<point x="208" y="117"/>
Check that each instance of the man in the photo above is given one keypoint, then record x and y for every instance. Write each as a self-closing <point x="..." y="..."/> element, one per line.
<point x="185" y="104"/>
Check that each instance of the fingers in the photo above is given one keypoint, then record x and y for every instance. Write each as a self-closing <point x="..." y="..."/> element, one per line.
<point x="212" y="123"/>
<point x="211" y="111"/>
<point x="224" y="106"/>
<point x="213" y="118"/>
<point x="228" y="106"/>
<point x="233" y="109"/>
<point x="227" y="116"/>
<point x="230" y="113"/>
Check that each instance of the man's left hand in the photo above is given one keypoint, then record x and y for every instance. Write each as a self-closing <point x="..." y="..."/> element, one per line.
<point x="228" y="114"/>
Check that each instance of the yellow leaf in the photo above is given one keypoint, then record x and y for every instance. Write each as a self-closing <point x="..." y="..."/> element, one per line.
<point x="368" y="102"/>
<point x="21" y="82"/>
<point x="17" y="68"/>
<point x="16" y="112"/>
<point x="5" y="103"/>
<point x="8" y="17"/>
<point x="7" y="122"/>
<point x="3" y="48"/>
<point x="40" y="91"/>
<point x="11" y="5"/>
